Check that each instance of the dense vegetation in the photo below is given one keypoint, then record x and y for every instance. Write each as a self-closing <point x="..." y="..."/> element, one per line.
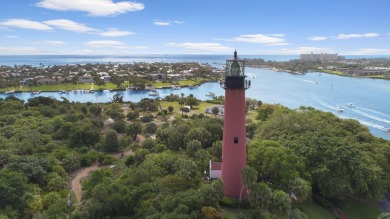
<point x="305" y="151"/>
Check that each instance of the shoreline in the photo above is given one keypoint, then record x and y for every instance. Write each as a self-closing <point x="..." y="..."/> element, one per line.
<point x="39" y="89"/>
<point x="312" y="71"/>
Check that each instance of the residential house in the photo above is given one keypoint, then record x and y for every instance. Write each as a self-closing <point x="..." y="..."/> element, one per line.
<point x="65" y="80"/>
<point x="85" y="79"/>
<point x="46" y="81"/>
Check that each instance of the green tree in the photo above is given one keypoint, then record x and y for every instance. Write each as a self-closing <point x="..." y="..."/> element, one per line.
<point x="34" y="168"/>
<point x="200" y="134"/>
<point x="215" y="111"/>
<point x="192" y="101"/>
<point x="281" y="204"/>
<point x="83" y="135"/>
<point x="133" y="130"/>
<point x="301" y="188"/>
<point x="275" y="163"/>
<point x="111" y="141"/>
<point x="132" y="115"/>
<point x="13" y="188"/>
<point x="170" y="109"/>
<point x="384" y="216"/>
<point x="193" y="146"/>
<point x="216" y="150"/>
<point x="260" y="196"/>
<point x="151" y="128"/>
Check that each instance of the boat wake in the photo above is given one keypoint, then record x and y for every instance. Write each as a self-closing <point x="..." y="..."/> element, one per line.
<point x="308" y="81"/>
<point x="372" y="116"/>
<point x="374" y="112"/>
<point x="373" y="125"/>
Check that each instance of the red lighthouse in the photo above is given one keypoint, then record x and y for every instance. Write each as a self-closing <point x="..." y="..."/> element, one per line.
<point x="234" y="130"/>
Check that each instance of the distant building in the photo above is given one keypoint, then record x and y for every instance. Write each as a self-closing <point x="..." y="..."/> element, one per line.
<point x="85" y="79"/>
<point x="320" y="57"/>
<point x="46" y="81"/>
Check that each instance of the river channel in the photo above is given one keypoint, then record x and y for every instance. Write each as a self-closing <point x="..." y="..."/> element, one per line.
<point x="366" y="100"/>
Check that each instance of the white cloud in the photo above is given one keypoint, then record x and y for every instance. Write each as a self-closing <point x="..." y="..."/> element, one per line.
<point x="18" y="50"/>
<point x="207" y="47"/>
<point x="161" y="23"/>
<point x="369" y="51"/>
<point x="317" y="38"/>
<point x="105" y="43"/>
<point x="277" y="44"/>
<point x="92" y="7"/>
<point x="12" y="37"/>
<point x="278" y="35"/>
<point x="70" y="26"/>
<point x="115" y="33"/>
<point x="166" y="23"/>
<point x="300" y="50"/>
<point x="51" y="43"/>
<point x="139" y="47"/>
<point x="356" y="35"/>
<point x="26" y="24"/>
<point x="271" y="40"/>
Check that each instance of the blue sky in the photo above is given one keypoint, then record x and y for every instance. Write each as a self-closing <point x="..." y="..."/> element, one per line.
<point x="258" y="27"/>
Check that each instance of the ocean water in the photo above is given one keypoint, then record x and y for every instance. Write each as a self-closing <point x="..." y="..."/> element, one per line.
<point x="370" y="97"/>
<point x="36" y="60"/>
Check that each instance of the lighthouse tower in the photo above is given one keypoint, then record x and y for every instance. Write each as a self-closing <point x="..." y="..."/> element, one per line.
<point x="234" y="130"/>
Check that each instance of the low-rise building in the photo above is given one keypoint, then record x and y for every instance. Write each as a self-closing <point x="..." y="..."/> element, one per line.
<point x="46" y="81"/>
<point x="85" y="79"/>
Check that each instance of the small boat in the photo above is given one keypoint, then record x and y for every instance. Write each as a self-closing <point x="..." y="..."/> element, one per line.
<point x="339" y="109"/>
<point x="175" y="87"/>
<point x="9" y="92"/>
<point x="386" y="129"/>
<point x="350" y="105"/>
<point x="153" y="93"/>
<point x="36" y="92"/>
<point x="191" y="86"/>
<point x="210" y="94"/>
<point x="62" y="91"/>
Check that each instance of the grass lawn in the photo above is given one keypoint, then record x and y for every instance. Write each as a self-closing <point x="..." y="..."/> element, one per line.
<point x="357" y="210"/>
<point x="176" y="108"/>
<point x="228" y="213"/>
<point x="314" y="211"/>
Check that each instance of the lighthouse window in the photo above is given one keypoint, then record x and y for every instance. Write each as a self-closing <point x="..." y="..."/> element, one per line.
<point x="235" y="140"/>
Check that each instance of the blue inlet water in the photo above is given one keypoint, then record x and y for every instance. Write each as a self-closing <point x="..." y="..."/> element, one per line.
<point x="370" y="97"/>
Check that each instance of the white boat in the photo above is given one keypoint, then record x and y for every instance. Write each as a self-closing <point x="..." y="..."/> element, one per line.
<point x="153" y="93"/>
<point x="386" y="129"/>
<point x="339" y="109"/>
<point x="210" y="94"/>
<point x="9" y="92"/>
<point x="36" y="92"/>
<point x="350" y="105"/>
<point x="175" y="87"/>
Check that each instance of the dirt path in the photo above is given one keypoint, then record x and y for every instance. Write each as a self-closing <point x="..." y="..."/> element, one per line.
<point x="76" y="182"/>
<point x="83" y="172"/>
<point x="339" y="213"/>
